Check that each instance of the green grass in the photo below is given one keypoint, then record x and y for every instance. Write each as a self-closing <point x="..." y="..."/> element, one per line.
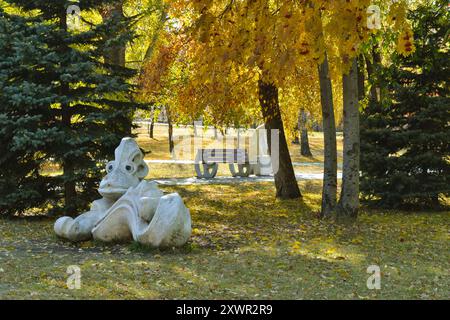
<point x="245" y="244"/>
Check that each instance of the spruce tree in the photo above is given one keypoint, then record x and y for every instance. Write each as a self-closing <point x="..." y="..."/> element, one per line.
<point x="405" y="142"/>
<point x="61" y="106"/>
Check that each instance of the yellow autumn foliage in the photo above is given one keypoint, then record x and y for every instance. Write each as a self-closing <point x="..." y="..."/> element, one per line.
<point x="228" y="46"/>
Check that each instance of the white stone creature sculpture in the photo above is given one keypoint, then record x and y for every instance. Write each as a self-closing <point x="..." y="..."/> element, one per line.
<point x="131" y="208"/>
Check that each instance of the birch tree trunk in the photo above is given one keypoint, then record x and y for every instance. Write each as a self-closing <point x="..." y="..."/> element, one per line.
<point x="349" y="200"/>
<point x="329" y="187"/>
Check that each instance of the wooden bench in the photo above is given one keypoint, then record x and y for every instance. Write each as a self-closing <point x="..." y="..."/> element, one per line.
<point x="207" y="162"/>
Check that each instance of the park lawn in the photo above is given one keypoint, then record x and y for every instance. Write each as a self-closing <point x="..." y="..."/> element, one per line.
<point x="244" y="245"/>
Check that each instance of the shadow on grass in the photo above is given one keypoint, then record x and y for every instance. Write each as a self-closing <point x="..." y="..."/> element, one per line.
<point x="229" y="216"/>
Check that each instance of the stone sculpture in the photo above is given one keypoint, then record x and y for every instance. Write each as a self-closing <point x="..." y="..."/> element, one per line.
<point x="130" y="207"/>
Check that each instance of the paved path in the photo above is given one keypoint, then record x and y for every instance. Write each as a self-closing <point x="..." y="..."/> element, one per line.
<point x="301" y="164"/>
<point x="233" y="180"/>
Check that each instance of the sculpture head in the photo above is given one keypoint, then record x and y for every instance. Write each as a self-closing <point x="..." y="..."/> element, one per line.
<point x="126" y="170"/>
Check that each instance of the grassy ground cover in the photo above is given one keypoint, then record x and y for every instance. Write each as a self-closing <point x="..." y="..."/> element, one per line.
<point x="244" y="245"/>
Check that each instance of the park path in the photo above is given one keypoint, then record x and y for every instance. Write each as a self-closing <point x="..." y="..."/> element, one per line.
<point x="173" y="161"/>
<point x="235" y="180"/>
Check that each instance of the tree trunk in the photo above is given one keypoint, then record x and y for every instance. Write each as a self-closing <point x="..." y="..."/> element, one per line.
<point x="70" y="193"/>
<point x="304" y="141"/>
<point x="157" y="31"/>
<point x="169" y="122"/>
<point x="361" y="78"/>
<point x="349" y="201"/>
<point x="115" y="55"/>
<point x="68" y="165"/>
<point x="285" y="182"/>
<point x="151" y="126"/>
<point x="329" y="187"/>
<point x="377" y="64"/>
<point x="216" y="136"/>
<point x="296" y="132"/>
<point x="375" y="94"/>
<point x="238" y="137"/>
<point x="370" y="75"/>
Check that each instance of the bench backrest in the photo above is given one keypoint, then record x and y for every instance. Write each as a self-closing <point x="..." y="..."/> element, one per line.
<point x="222" y="156"/>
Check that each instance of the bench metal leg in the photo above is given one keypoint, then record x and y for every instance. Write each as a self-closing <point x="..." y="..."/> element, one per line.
<point x="206" y="171"/>
<point x="243" y="170"/>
